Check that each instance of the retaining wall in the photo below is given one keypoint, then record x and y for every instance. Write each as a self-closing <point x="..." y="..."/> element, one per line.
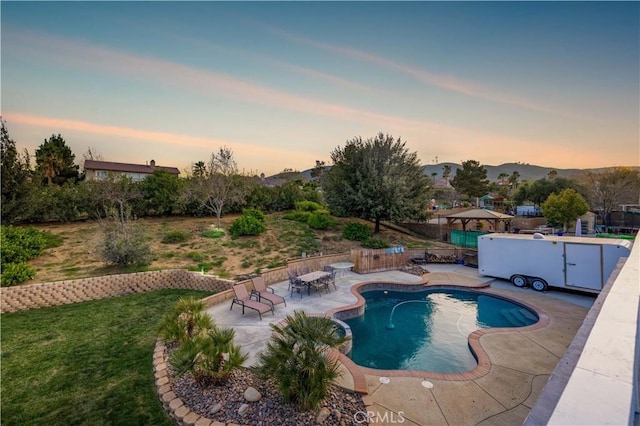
<point x="31" y="296"/>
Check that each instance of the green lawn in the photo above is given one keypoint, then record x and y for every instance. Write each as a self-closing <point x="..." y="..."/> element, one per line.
<point x="86" y="363"/>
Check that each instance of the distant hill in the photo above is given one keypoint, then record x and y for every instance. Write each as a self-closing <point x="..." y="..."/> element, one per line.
<point x="526" y="171"/>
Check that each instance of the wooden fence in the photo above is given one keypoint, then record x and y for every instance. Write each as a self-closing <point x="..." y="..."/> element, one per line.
<point x="369" y="260"/>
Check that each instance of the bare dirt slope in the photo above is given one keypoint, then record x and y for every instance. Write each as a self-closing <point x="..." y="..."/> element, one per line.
<point x="78" y="256"/>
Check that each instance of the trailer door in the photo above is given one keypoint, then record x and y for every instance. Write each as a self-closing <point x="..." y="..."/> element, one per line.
<point x="583" y="265"/>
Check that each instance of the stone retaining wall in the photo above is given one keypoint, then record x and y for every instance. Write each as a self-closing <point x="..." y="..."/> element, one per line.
<point x="24" y="297"/>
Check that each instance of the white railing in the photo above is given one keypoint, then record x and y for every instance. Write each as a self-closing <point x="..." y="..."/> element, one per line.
<point x="596" y="381"/>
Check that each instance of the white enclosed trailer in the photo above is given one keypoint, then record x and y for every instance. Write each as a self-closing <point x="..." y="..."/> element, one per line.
<point x="542" y="261"/>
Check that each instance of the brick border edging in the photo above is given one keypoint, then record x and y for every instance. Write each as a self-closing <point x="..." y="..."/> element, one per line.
<point x="171" y="403"/>
<point x="484" y="362"/>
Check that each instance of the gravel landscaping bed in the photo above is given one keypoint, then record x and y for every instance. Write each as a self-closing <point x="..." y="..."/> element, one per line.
<point x="227" y="403"/>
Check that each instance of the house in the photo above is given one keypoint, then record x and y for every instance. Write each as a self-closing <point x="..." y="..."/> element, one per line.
<point x="99" y="170"/>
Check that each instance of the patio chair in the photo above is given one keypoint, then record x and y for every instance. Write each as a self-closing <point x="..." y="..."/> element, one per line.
<point x="243" y="299"/>
<point x="303" y="270"/>
<point x="297" y="285"/>
<point x="261" y="291"/>
<point x="331" y="279"/>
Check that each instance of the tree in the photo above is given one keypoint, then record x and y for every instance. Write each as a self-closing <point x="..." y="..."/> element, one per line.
<point x="446" y="172"/>
<point x="609" y="188"/>
<point x="15" y="178"/>
<point x="220" y="185"/>
<point x="471" y="179"/>
<point x="513" y="179"/>
<point x="297" y="358"/>
<point x="55" y="161"/>
<point x="199" y="169"/>
<point x="161" y="191"/>
<point x="318" y="170"/>
<point x="538" y="191"/>
<point x="377" y="179"/>
<point x="564" y="208"/>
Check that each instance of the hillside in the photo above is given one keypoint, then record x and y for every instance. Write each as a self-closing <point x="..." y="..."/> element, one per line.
<point x="526" y="171"/>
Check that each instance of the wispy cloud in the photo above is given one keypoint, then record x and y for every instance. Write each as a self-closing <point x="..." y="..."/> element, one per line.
<point x="119" y="133"/>
<point x="71" y="53"/>
<point x="448" y="82"/>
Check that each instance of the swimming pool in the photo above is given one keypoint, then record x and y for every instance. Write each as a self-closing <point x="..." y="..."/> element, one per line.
<point x="428" y="330"/>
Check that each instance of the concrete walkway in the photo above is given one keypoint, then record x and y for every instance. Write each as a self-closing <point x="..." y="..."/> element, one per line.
<point x="520" y="361"/>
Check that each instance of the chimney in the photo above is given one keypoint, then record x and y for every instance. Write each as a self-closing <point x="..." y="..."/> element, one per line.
<point x="153" y="163"/>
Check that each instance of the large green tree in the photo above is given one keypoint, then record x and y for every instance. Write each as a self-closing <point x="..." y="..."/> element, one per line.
<point x="376" y="179"/>
<point x="471" y="179"/>
<point x="15" y="179"/>
<point x="161" y="191"/>
<point x="606" y="189"/>
<point x="55" y="161"/>
<point x="564" y="208"/>
<point x="538" y="191"/>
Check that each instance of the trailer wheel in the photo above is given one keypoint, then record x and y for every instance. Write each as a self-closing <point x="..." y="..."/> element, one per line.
<point x="518" y="281"/>
<point x="539" y="284"/>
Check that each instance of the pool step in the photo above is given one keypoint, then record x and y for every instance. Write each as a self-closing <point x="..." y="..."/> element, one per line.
<point x="518" y="316"/>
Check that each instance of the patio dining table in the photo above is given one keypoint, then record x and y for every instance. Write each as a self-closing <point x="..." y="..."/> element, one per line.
<point x="312" y="277"/>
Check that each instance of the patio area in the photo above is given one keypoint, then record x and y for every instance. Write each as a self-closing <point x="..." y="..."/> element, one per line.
<point x="520" y="362"/>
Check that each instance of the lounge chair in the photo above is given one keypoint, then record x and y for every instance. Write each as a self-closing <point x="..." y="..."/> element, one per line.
<point x="243" y="299"/>
<point x="420" y="259"/>
<point x="261" y="291"/>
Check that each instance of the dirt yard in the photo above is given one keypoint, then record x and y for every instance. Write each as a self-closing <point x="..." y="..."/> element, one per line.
<point x="78" y="256"/>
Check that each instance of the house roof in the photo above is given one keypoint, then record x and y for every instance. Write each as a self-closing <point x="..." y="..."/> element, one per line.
<point x="479" y="214"/>
<point x="126" y="167"/>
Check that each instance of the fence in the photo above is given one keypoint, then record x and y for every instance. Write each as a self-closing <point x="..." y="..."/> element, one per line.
<point x="370" y="260"/>
<point x="466" y="238"/>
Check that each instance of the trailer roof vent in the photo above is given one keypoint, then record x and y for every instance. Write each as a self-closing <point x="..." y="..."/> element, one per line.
<point x="538" y="236"/>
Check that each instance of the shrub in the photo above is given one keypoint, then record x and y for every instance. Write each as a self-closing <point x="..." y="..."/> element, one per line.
<point x="205" y="351"/>
<point x="214" y="233"/>
<point x="20" y="244"/>
<point x="246" y="225"/>
<point x="319" y="220"/>
<point x="297" y="358"/>
<point x="297" y="215"/>
<point x="185" y="321"/>
<point x="308" y="206"/>
<point x="174" y="237"/>
<point x="356" y="231"/>
<point x="195" y="256"/>
<point x="374" y="243"/>
<point x="15" y="273"/>
<point x="254" y="213"/>
<point x="124" y="243"/>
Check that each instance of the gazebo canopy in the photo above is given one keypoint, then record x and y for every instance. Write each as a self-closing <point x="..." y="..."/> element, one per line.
<point x="478" y="214"/>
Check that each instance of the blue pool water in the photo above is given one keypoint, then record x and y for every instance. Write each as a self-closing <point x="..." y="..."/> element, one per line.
<point x="429" y="330"/>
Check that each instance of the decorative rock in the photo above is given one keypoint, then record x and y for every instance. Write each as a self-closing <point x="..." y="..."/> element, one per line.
<point x="215" y="408"/>
<point x="251" y="394"/>
<point x="336" y="413"/>
<point x="322" y="415"/>
<point x="243" y="409"/>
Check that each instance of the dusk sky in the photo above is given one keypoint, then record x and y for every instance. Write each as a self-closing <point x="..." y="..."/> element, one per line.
<point x="283" y="84"/>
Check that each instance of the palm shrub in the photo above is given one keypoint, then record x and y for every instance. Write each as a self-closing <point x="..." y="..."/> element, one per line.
<point x="211" y="357"/>
<point x="205" y="350"/>
<point x="297" y="358"/>
<point x="185" y="321"/>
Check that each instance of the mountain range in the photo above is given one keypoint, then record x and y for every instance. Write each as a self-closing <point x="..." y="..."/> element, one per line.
<point x="526" y="171"/>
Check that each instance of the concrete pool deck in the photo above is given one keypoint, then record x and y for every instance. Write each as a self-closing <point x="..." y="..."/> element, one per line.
<point x="520" y="362"/>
